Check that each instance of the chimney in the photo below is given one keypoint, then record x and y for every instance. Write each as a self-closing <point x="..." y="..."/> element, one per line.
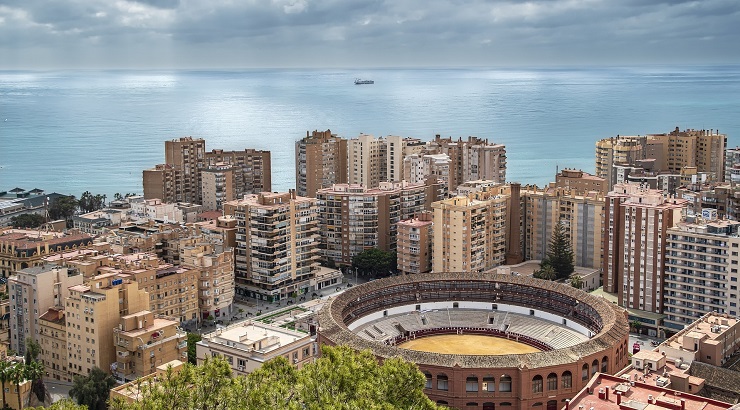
<point x="607" y="393"/>
<point x="619" y="398"/>
<point x="567" y="404"/>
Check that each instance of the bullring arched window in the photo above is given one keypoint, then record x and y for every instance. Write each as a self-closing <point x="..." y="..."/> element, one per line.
<point x="471" y="384"/>
<point x="584" y="372"/>
<point x="489" y="384"/>
<point x="442" y="382"/>
<point x="594" y="367"/>
<point x="552" y="381"/>
<point x="537" y="384"/>
<point x="567" y="379"/>
<point x="428" y="384"/>
<point x="604" y="364"/>
<point x="504" y="383"/>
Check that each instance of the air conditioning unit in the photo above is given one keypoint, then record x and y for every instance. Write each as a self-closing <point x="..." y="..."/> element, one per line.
<point x="241" y="368"/>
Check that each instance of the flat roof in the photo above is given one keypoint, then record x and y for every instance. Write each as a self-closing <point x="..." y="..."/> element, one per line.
<point x="703" y="327"/>
<point x="249" y="332"/>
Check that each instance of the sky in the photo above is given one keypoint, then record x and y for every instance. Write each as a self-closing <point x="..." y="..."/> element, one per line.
<point x="365" y="33"/>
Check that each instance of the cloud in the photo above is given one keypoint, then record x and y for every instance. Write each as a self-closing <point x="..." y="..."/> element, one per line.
<point x="232" y="33"/>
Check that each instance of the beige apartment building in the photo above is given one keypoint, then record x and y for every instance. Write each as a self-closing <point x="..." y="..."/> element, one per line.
<point x="219" y="231"/>
<point x="214" y="266"/>
<point x="53" y="343"/>
<point x="366" y="161"/>
<point x="701" y="270"/>
<point x="581" y="215"/>
<point x="144" y="342"/>
<point x="277" y="244"/>
<point x="92" y="311"/>
<point x="23" y="248"/>
<point x="321" y="161"/>
<point x="419" y="168"/>
<point x="179" y="179"/>
<point x="471" y="159"/>
<point x="580" y="182"/>
<point x="218" y="185"/>
<point x="414" y="247"/>
<point x="32" y="292"/>
<point x="637" y="220"/>
<point x="248" y="345"/>
<point x="470" y="231"/>
<point x="711" y="339"/>
<point x="353" y="218"/>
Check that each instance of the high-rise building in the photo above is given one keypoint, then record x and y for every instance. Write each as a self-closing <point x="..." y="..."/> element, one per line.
<point x="218" y="185"/>
<point x="470" y="231"/>
<point x="699" y="274"/>
<point x="215" y="274"/>
<point x="179" y="179"/>
<point x="92" y="312"/>
<point x="321" y="161"/>
<point x="618" y="150"/>
<point x="635" y="235"/>
<point x="732" y="165"/>
<point x="580" y="182"/>
<point x="419" y="168"/>
<point x="32" y="292"/>
<point x="366" y="161"/>
<point x="580" y="214"/>
<point x="414" y="244"/>
<point x="354" y="218"/>
<point x="472" y="159"/>
<point x="276" y="244"/>
<point x="53" y="343"/>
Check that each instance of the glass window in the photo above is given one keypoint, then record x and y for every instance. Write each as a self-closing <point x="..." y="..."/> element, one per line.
<point x="537" y="384"/>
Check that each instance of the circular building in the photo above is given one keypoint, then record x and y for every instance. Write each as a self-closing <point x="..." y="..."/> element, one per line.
<point x="484" y="341"/>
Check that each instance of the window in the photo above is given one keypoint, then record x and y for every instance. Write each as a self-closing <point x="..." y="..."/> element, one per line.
<point x="489" y="384"/>
<point x="604" y="364"/>
<point x="471" y="384"/>
<point x="537" y="384"/>
<point x="428" y="384"/>
<point x="567" y="380"/>
<point x="552" y="381"/>
<point x="504" y="383"/>
<point x="584" y="372"/>
<point x="594" y="367"/>
<point x="442" y="382"/>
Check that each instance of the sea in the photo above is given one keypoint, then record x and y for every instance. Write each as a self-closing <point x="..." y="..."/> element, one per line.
<point x="76" y="131"/>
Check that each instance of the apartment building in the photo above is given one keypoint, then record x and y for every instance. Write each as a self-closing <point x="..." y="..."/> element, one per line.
<point x="179" y="179"/>
<point x="32" y="292"/>
<point x="414" y="244"/>
<point x="321" y="161"/>
<point x="92" y="311"/>
<point x="366" y="163"/>
<point x="53" y="343"/>
<point x="732" y="165"/>
<point x="580" y="214"/>
<point x="470" y="231"/>
<point x="710" y="339"/>
<point x="700" y="277"/>
<point x="23" y="248"/>
<point x="580" y="182"/>
<point x="618" y="150"/>
<point x="143" y="342"/>
<point x="218" y="185"/>
<point x="635" y="235"/>
<point x="419" y="168"/>
<point x="353" y="218"/>
<point x="277" y="243"/>
<point x="471" y="159"/>
<point x="96" y="222"/>
<point x="165" y="212"/>
<point x="219" y="231"/>
<point x="246" y="346"/>
<point x="214" y="266"/>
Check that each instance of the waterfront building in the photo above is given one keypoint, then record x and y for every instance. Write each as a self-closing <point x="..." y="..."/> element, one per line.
<point x="580" y="182"/>
<point x="471" y="159"/>
<point x="218" y="185"/>
<point x="97" y="222"/>
<point x="32" y="292"/>
<point x="321" y="161"/>
<point x="635" y="235"/>
<point x="277" y="244"/>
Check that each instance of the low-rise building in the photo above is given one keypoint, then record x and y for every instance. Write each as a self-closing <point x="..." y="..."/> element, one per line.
<point x="712" y="339"/>
<point x="133" y="391"/>
<point x="247" y="345"/>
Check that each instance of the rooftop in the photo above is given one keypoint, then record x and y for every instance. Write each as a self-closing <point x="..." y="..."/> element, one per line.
<point x="711" y="325"/>
<point x="253" y="336"/>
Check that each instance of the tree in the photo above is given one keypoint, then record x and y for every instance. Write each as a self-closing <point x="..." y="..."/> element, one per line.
<point x="545" y="272"/>
<point x="27" y="221"/>
<point x="374" y="262"/>
<point x="64" y="404"/>
<point x="62" y="207"/>
<point x="576" y="281"/>
<point x="89" y="202"/>
<point x="192" y="339"/>
<point x="560" y="252"/>
<point x="636" y="324"/>
<point x="5" y="369"/>
<point x="17" y="376"/>
<point x="34" y="371"/>
<point x="92" y="390"/>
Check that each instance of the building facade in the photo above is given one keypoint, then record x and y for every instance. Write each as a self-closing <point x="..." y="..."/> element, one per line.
<point x="53" y="343"/>
<point x="218" y="185"/>
<point x="214" y="266"/>
<point x="414" y="247"/>
<point x="321" y="161"/>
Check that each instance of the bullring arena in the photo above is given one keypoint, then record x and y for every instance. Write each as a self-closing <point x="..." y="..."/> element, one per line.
<point x="484" y="341"/>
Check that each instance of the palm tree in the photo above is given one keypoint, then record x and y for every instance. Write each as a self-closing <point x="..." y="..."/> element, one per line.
<point x="5" y="367"/>
<point x="546" y="272"/>
<point x="17" y="376"/>
<point x="576" y="281"/>
<point x="35" y="373"/>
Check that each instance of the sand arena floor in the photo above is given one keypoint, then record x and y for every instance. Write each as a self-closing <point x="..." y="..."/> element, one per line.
<point x="468" y="344"/>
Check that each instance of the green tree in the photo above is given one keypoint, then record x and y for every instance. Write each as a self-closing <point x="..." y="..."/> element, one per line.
<point x="64" y="404"/>
<point x="192" y="339"/>
<point x="17" y="376"/>
<point x="62" y="207"/>
<point x="576" y="281"/>
<point x="89" y="202"/>
<point x="5" y="370"/>
<point x="636" y="325"/>
<point x="27" y="221"/>
<point x="374" y="262"/>
<point x="546" y="272"/>
<point x="34" y="369"/>
<point x="560" y="252"/>
<point x="92" y="390"/>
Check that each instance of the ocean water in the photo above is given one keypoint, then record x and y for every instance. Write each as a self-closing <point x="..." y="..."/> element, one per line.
<point x="71" y="131"/>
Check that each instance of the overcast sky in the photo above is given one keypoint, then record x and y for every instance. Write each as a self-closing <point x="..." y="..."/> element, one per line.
<point x="365" y="33"/>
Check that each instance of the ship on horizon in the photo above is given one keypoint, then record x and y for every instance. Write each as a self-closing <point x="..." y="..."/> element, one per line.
<point x="359" y="81"/>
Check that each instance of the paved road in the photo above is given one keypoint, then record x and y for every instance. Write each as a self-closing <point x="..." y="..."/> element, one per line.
<point x="58" y="389"/>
